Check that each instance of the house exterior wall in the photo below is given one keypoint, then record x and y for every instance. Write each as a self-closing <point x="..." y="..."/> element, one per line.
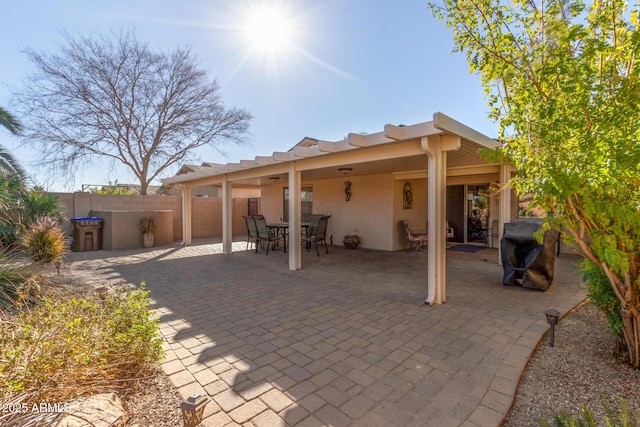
<point x="271" y="201"/>
<point x="417" y="215"/>
<point x="369" y="212"/>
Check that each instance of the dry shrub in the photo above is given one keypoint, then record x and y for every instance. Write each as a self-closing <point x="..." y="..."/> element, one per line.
<point x="17" y="284"/>
<point x="45" y="241"/>
<point x="66" y="347"/>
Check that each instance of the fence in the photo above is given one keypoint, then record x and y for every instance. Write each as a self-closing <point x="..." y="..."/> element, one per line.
<point x="206" y="211"/>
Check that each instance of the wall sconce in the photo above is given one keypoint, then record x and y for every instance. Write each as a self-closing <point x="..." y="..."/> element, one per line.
<point x="552" y="319"/>
<point x="193" y="409"/>
<point x="345" y="171"/>
<point x="274" y="179"/>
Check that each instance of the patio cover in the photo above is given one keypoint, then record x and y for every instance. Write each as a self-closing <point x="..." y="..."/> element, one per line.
<point x="394" y="149"/>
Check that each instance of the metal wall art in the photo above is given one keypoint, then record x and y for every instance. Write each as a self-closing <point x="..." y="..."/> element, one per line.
<point x="407" y="196"/>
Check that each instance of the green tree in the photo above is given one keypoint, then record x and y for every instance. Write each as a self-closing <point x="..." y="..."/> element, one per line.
<point x="562" y="79"/>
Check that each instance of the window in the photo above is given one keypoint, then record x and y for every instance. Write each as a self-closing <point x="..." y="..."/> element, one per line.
<point x="306" y="198"/>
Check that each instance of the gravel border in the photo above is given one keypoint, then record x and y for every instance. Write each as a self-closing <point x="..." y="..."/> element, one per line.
<point x="580" y="369"/>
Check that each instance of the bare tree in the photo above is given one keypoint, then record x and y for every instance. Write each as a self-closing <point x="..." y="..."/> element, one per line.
<point x="112" y="97"/>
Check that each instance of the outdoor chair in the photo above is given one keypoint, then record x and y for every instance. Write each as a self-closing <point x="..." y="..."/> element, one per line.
<point x="264" y="235"/>
<point x="318" y="235"/>
<point x="418" y="239"/>
<point x="449" y="230"/>
<point x="252" y="231"/>
<point x="475" y="229"/>
<point x="314" y="220"/>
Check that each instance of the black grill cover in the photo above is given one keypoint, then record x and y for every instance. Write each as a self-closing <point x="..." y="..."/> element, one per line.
<point x="524" y="260"/>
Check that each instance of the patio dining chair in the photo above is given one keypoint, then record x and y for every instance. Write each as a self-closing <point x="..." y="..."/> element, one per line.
<point x="418" y="239"/>
<point x="319" y="235"/>
<point x="314" y="220"/>
<point x="264" y="235"/>
<point x="252" y="231"/>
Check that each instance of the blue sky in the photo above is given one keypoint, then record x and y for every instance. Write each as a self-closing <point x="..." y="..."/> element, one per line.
<point x="344" y="66"/>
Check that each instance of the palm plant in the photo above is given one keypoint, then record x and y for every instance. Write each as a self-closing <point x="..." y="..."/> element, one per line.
<point x="8" y="164"/>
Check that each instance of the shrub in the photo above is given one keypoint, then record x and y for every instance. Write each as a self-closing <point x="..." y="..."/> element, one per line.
<point x="45" y="241"/>
<point x="147" y="225"/>
<point x="603" y="297"/>
<point x="625" y="418"/>
<point x="16" y="283"/>
<point x="65" y="347"/>
<point x="38" y="205"/>
<point x="19" y="208"/>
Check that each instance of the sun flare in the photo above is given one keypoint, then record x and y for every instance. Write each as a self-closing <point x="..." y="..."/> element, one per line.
<point x="268" y="29"/>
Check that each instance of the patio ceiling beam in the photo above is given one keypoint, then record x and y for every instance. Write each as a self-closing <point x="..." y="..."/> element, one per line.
<point x="449" y="125"/>
<point x="302" y="152"/>
<point x="357" y="140"/>
<point x="335" y="147"/>
<point x="328" y="146"/>
<point x="402" y="133"/>
<point x="383" y="152"/>
<point x="245" y="164"/>
<point x="283" y="157"/>
<point x="473" y="170"/>
<point x="264" y="160"/>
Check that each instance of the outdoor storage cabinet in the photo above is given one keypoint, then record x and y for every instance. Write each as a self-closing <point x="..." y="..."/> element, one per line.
<point x="87" y="234"/>
<point x="524" y="260"/>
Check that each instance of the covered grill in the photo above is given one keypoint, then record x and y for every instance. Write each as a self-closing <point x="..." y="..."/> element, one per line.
<point x="524" y="260"/>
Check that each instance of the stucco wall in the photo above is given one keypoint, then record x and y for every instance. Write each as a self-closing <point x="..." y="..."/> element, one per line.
<point x="271" y="202"/>
<point x="206" y="211"/>
<point x="369" y="213"/>
<point x="121" y="230"/>
<point x="79" y="204"/>
<point x="417" y="215"/>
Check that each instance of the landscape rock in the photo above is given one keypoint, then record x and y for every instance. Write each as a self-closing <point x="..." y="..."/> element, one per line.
<point x="100" y="410"/>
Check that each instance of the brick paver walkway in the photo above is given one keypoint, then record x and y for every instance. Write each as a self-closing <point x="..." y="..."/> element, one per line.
<point x="345" y="341"/>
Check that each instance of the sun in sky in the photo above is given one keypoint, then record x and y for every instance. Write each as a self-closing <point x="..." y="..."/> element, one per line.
<point x="274" y="37"/>
<point x="269" y="29"/>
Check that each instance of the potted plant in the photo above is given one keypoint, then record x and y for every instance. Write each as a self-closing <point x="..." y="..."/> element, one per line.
<point x="148" y="228"/>
<point x="351" y="241"/>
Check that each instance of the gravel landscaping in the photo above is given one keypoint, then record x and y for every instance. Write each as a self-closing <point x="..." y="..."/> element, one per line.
<point x="580" y="369"/>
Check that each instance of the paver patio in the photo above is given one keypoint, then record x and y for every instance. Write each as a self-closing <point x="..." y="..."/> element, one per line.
<point x="347" y="340"/>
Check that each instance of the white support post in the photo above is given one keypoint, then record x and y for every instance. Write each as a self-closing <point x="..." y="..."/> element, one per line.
<point x="436" y="147"/>
<point x="186" y="214"/>
<point x="504" y="204"/>
<point x="227" y="217"/>
<point x="295" y="210"/>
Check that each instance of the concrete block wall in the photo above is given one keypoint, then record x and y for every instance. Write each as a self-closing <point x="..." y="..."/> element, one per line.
<point x="121" y="229"/>
<point x="206" y="211"/>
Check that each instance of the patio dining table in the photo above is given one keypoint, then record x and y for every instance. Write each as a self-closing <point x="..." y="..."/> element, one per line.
<point x="282" y="228"/>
